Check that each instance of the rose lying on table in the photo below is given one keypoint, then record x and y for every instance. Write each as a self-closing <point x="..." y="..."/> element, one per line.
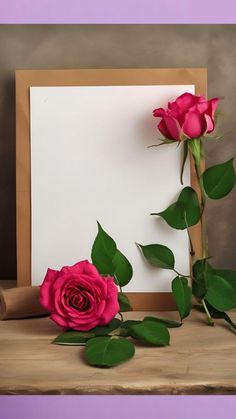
<point x="83" y="299"/>
<point x="78" y="297"/>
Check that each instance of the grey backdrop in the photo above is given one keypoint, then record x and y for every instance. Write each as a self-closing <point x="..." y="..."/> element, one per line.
<point x="107" y="46"/>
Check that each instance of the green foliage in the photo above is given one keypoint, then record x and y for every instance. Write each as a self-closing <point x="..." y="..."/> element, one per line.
<point x="107" y="351"/>
<point x="158" y="255"/>
<point x="220" y="293"/>
<point x="183" y="296"/>
<point x="126" y="324"/>
<point x="183" y="213"/>
<point x="216" y="286"/>
<point x="200" y="268"/>
<point x="74" y="338"/>
<point x="125" y="327"/>
<point x="106" y="330"/>
<point x="219" y="180"/>
<point x="109" y="260"/>
<point x="123" y="270"/>
<point x="150" y="332"/>
<point x="103" y="252"/>
<point x="124" y="302"/>
<point x="228" y="275"/>
<point x="216" y="314"/>
<point x="166" y="322"/>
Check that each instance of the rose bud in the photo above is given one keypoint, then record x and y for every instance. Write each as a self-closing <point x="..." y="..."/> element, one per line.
<point x="189" y="116"/>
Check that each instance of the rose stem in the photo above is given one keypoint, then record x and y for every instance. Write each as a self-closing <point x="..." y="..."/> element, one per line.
<point x="203" y="204"/>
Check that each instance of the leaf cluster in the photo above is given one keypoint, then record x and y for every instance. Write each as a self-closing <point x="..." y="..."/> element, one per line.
<point x="113" y="344"/>
<point x="214" y="289"/>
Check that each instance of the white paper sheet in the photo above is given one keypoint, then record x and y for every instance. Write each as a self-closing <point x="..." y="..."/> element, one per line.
<point x="90" y="161"/>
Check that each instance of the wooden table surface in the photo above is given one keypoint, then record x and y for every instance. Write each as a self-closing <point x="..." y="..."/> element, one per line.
<point x="200" y="360"/>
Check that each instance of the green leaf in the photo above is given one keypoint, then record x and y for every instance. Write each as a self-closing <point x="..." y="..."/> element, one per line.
<point x="108" y="352"/>
<point x="174" y="215"/>
<point x="123" y="270"/>
<point x="188" y="197"/>
<point x="168" y="323"/>
<point x="125" y="327"/>
<point x="109" y="260"/>
<point x="167" y="141"/>
<point x="128" y="323"/>
<point x="103" y="252"/>
<point x="162" y="142"/>
<point x="183" y="296"/>
<point x="216" y="314"/>
<point x="151" y="332"/>
<point x="124" y="302"/>
<point x="158" y="255"/>
<point x="185" y="155"/>
<point x="200" y="268"/>
<point x="73" y="338"/>
<point x="220" y="293"/>
<point x="228" y="275"/>
<point x="106" y="330"/>
<point x="219" y="180"/>
<point x="114" y="324"/>
<point x="185" y="212"/>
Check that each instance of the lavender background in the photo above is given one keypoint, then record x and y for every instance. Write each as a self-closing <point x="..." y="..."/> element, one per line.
<point x="113" y="11"/>
<point x="146" y="11"/>
<point x="116" y="407"/>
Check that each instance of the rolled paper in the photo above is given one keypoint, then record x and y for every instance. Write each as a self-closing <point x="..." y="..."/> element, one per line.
<point x="20" y="303"/>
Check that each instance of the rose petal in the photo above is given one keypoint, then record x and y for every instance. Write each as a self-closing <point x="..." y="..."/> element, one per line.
<point x="210" y="113"/>
<point x="213" y="103"/>
<point x="76" y="268"/>
<point x="201" y="107"/>
<point x="112" y="306"/>
<point x="210" y="123"/>
<point x="46" y="298"/>
<point x="194" y="125"/>
<point x="80" y="298"/>
<point x="159" y="112"/>
<point x="60" y="321"/>
<point x="170" y="128"/>
<point x="186" y="101"/>
<point x="83" y="327"/>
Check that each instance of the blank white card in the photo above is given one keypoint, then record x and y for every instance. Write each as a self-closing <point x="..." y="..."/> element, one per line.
<point x="90" y="161"/>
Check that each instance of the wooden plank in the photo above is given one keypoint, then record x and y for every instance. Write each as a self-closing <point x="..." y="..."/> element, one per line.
<point x="200" y="360"/>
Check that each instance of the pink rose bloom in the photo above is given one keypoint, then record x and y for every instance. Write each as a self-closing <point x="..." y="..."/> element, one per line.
<point x="189" y="116"/>
<point x="78" y="297"/>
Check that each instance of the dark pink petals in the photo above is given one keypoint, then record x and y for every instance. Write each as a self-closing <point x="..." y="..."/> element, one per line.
<point x="159" y="113"/>
<point x="194" y="125"/>
<point x="170" y="128"/>
<point x="45" y="289"/>
<point x="112" y="306"/>
<point x="189" y="115"/>
<point x="78" y="297"/>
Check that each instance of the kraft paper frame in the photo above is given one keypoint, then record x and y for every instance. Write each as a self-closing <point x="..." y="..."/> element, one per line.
<point x="86" y="77"/>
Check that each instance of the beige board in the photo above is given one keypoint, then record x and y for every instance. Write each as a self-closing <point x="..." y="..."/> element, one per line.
<point x="86" y="77"/>
<point x="200" y="360"/>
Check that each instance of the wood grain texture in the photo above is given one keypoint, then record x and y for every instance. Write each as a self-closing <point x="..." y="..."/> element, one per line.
<point x="200" y="360"/>
<point x="86" y="77"/>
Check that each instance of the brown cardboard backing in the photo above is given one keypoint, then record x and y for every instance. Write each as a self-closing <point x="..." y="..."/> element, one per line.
<point x="86" y="77"/>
